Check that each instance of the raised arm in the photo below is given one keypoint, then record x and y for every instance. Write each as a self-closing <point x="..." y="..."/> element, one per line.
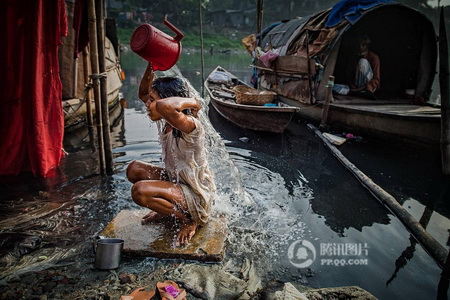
<point x="146" y="81"/>
<point x="171" y="109"/>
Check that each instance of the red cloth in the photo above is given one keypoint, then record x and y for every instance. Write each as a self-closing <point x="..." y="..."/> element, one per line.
<point x="80" y="25"/>
<point x="31" y="116"/>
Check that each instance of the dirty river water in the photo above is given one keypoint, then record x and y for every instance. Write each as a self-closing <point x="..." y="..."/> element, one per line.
<point x="292" y="208"/>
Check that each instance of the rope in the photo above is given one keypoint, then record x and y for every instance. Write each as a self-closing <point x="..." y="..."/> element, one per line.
<point x="98" y="76"/>
<point x="79" y="118"/>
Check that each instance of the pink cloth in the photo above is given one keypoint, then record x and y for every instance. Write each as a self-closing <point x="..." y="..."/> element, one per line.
<point x="268" y="57"/>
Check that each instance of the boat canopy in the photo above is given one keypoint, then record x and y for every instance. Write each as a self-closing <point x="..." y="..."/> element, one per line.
<point x="402" y="37"/>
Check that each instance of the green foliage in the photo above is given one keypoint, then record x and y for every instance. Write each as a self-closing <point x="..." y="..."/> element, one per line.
<point x="184" y="14"/>
<point x="192" y="39"/>
<point x="124" y="34"/>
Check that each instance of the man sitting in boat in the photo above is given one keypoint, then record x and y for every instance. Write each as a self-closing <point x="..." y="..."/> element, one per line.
<point x="182" y="190"/>
<point x="363" y="74"/>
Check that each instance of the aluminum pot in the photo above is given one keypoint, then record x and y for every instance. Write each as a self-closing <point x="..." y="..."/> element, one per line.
<point x="108" y="252"/>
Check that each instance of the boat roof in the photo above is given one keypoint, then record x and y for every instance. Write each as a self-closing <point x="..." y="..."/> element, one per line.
<point x="279" y="34"/>
<point x="287" y="36"/>
<point x="403" y="38"/>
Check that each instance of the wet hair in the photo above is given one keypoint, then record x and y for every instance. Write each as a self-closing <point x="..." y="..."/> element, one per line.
<point x="172" y="87"/>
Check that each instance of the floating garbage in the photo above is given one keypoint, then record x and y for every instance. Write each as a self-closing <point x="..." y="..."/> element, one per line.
<point x="334" y="139"/>
<point x="352" y="137"/>
<point x="244" y="139"/>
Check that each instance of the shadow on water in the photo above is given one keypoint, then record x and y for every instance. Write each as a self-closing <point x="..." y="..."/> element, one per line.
<point x="277" y="190"/>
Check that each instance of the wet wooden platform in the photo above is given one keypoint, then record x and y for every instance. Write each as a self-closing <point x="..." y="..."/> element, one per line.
<point x="156" y="240"/>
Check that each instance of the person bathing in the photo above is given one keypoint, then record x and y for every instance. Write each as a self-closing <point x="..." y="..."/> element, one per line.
<point x="183" y="190"/>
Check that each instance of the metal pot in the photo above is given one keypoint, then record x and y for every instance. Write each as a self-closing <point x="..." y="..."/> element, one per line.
<point x="108" y="252"/>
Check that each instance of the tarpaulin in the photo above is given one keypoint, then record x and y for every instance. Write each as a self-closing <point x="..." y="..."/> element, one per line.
<point x="31" y="115"/>
<point x="351" y="10"/>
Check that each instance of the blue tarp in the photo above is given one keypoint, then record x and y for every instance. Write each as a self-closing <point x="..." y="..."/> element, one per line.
<point x="351" y="10"/>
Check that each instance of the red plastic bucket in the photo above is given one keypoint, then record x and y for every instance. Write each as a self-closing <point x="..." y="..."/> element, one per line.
<point x="161" y="49"/>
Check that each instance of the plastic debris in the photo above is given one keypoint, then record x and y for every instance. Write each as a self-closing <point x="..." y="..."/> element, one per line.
<point x="334" y="139"/>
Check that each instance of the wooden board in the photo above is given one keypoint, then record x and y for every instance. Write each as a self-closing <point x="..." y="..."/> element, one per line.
<point x="156" y="240"/>
<point x="290" y="64"/>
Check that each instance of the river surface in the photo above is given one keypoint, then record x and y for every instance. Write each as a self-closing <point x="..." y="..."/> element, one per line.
<point x="293" y="209"/>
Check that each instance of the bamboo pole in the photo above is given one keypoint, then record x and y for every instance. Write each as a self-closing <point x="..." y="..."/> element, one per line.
<point x="444" y="282"/>
<point x="326" y="106"/>
<point x="109" y="163"/>
<point x="201" y="43"/>
<point x="75" y="78"/>
<point x="445" y="95"/>
<point x="259" y="16"/>
<point x="309" y="68"/>
<point x="89" y="118"/>
<point x="436" y="250"/>
<point x="95" y="81"/>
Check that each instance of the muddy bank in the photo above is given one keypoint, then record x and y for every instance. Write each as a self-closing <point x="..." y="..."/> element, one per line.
<point x="63" y="283"/>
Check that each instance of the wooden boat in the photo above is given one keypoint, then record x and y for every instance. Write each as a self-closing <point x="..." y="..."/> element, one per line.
<point x="254" y="117"/>
<point x="310" y="50"/>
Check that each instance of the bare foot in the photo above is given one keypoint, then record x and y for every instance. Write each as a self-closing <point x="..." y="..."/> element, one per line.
<point x="152" y="217"/>
<point x="185" y="233"/>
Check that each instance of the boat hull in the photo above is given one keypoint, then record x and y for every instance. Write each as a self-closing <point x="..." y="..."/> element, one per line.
<point x="417" y="125"/>
<point x="255" y="118"/>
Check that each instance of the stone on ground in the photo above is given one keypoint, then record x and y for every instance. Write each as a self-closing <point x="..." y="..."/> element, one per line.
<point x="289" y="292"/>
<point x="344" y="292"/>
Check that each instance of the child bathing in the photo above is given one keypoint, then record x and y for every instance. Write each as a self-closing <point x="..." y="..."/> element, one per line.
<point x="184" y="188"/>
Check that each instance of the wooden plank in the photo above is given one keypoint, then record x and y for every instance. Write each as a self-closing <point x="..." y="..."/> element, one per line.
<point x="290" y="64"/>
<point x="157" y="239"/>
<point x="401" y="110"/>
<point x="431" y="245"/>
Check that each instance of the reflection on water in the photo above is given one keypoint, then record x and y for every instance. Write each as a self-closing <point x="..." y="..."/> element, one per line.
<point x="277" y="189"/>
<point x="333" y="209"/>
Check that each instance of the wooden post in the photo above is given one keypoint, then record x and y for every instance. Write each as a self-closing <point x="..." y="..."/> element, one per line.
<point x="201" y="43"/>
<point x="445" y="95"/>
<point x="109" y="163"/>
<point x="75" y="78"/>
<point x="309" y="68"/>
<point x="95" y="81"/>
<point x="433" y="247"/>
<point x="259" y="16"/>
<point x="326" y="106"/>
<point x="444" y="282"/>
<point x="89" y="118"/>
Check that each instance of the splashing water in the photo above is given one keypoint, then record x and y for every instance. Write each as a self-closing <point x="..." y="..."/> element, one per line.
<point x="259" y="208"/>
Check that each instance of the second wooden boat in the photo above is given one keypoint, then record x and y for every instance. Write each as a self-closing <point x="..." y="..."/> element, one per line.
<point x="273" y="118"/>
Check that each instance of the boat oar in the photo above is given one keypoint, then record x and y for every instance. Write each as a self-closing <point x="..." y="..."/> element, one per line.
<point x="431" y="245"/>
